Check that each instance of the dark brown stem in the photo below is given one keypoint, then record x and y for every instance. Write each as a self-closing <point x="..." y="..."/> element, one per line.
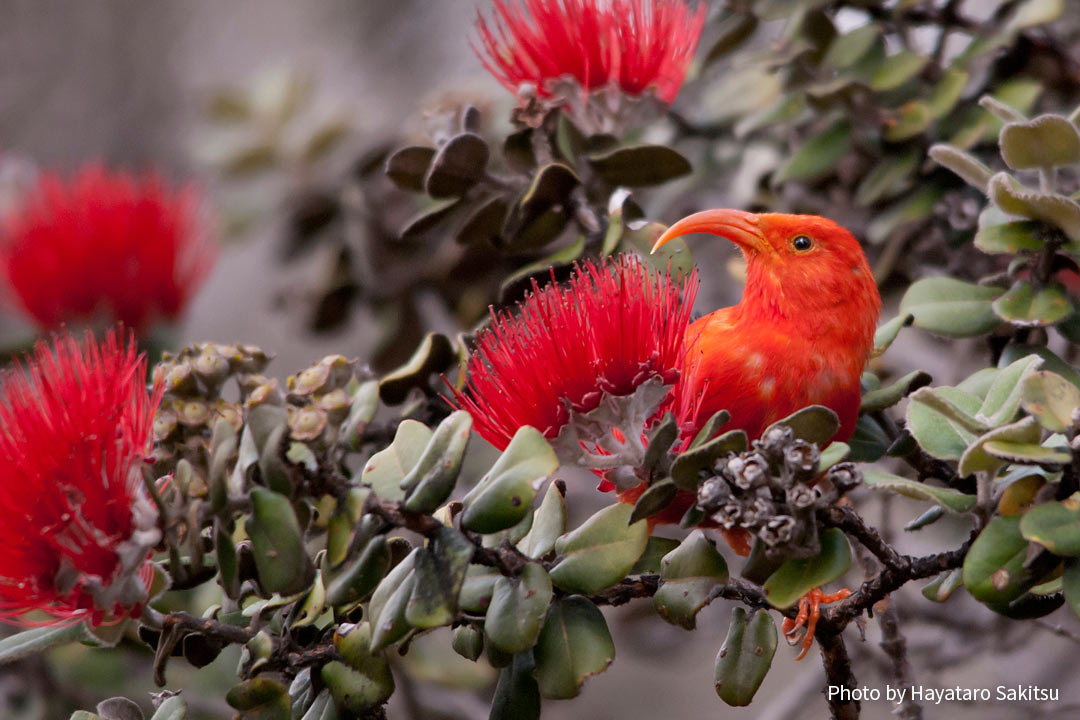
<point x="895" y="646"/>
<point x="838" y="675"/>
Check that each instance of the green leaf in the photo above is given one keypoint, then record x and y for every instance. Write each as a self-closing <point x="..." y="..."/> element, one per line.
<point x="887" y="332"/>
<point x="1002" y="400"/>
<point x="709" y="429"/>
<point x="818" y="155"/>
<point x="260" y="698"/>
<point x="909" y="120"/>
<point x="688" y="573"/>
<point x="364" y="680"/>
<point x="886" y="397"/>
<point x="408" y="166"/>
<point x="942" y="421"/>
<point x="518" y="606"/>
<point x="574" y="645"/>
<point x="745" y="657"/>
<point x="977" y="459"/>
<point x="1027" y="453"/>
<point x="732" y="32"/>
<point x="869" y="441"/>
<point x="483" y="221"/>
<point x="1052" y="399"/>
<point x="847" y="49"/>
<point x="1010" y="238"/>
<point x="657" y="497"/>
<point x="951" y="307"/>
<point x="798" y="576"/>
<point x="952" y="500"/>
<point x="1025" y="306"/>
<point x="1043" y="142"/>
<point x="1051" y="362"/>
<point x="601" y="552"/>
<point x="428" y="218"/>
<point x="281" y="560"/>
<point x="655" y="550"/>
<point x="892" y="174"/>
<point x="687" y="468"/>
<point x="947" y="92"/>
<point x="914" y="207"/>
<point x="970" y="169"/>
<point x="943" y="585"/>
<point x="386" y="611"/>
<point x="897" y="70"/>
<point x="457" y="166"/>
<point x="517" y="695"/>
<point x="549" y="522"/>
<point x="359" y="577"/>
<point x="1070" y="584"/>
<point x="505" y="495"/>
<point x="835" y="453"/>
<point x="1016" y="199"/>
<point x="387" y="468"/>
<point x="35" y="640"/>
<point x="994" y="566"/>
<point x="1055" y="526"/>
<point x="174" y="708"/>
<point x="477" y="589"/>
<point x="468" y="641"/>
<point x="639" y="165"/>
<point x="929" y="517"/>
<point x="439" y="570"/>
<point x="1034" y="12"/>
<point x="814" y="423"/>
<point x="430" y="482"/>
<point x="435" y="354"/>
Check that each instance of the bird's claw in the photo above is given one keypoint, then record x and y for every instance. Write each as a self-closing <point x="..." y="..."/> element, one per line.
<point x="809" y="612"/>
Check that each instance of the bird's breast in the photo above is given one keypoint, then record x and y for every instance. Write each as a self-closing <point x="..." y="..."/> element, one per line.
<point x="760" y="377"/>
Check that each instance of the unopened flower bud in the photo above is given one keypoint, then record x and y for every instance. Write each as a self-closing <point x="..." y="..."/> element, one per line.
<point x="336" y="404"/>
<point x="844" y="476"/>
<point x="778" y="531"/>
<point x="800" y="496"/>
<point x="307" y="423"/>
<point x="712" y="492"/>
<point x="728" y="515"/>
<point x="800" y="455"/>
<point x="269" y="393"/>
<point x="192" y="413"/>
<point x="212" y="368"/>
<point x="775" y="440"/>
<point x="748" y="471"/>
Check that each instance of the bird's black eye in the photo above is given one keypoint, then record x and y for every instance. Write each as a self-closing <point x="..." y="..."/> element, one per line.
<point x="802" y="243"/>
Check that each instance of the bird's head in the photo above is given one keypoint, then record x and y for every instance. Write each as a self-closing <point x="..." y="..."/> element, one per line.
<point x="799" y="267"/>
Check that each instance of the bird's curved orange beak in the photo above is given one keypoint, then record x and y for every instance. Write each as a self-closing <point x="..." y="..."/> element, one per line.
<point x="740" y="227"/>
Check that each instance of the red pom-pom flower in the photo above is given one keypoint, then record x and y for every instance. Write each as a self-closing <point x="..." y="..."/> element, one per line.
<point x="105" y="248"/>
<point x="635" y="45"/>
<point x="76" y="524"/>
<point x="612" y="327"/>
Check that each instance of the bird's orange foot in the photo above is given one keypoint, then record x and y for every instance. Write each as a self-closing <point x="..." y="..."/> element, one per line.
<point x="809" y="612"/>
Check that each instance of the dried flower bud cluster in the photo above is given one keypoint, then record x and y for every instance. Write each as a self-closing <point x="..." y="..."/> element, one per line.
<point x="773" y="491"/>
<point x="319" y="399"/>
<point x="194" y="380"/>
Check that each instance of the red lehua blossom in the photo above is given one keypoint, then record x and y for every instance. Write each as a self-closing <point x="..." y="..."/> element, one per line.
<point x="611" y="328"/>
<point x="75" y="426"/>
<point x="105" y="247"/>
<point x="636" y="45"/>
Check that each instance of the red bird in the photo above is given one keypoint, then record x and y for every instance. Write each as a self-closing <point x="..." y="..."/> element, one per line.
<point x="800" y="336"/>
